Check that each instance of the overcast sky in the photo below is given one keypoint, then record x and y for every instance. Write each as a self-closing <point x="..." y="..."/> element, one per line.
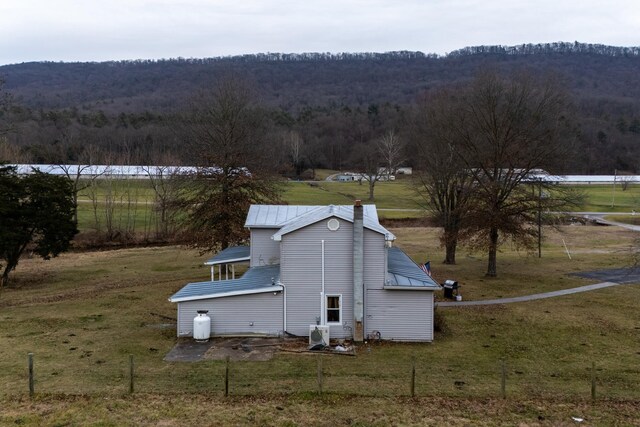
<point x="100" y="30"/>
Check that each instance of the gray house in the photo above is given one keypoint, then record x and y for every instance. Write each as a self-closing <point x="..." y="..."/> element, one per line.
<point x="333" y="266"/>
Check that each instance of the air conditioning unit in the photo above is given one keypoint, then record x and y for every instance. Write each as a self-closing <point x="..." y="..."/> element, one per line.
<point x="318" y="335"/>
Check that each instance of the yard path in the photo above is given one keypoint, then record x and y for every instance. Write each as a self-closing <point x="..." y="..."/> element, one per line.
<point x="600" y="218"/>
<point x="533" y="297"/>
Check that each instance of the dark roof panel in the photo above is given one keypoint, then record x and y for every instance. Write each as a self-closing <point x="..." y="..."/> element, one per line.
<point x="255" y="280"/>
<point x="402" y="272"/>
<point x="230" y="254"/>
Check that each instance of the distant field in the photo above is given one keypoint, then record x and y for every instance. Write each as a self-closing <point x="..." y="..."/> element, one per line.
<point x="133" y="199"/>
<point x="603" y="198"/>
<point x="82" y="314"/>
<point x="397" y="199"/>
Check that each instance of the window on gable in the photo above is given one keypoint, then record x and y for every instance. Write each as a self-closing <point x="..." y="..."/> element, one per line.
<point x="334" y="308"/>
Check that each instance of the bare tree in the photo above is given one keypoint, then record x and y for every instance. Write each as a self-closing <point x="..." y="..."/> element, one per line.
<point x="11" y="153"/>
<point x="440" y="178"/>
<point x="83" y="174"/>
<point x="390" y="147"/>
<point x="5" y="102"/>
<point x="367" y="158"/>
<point x="505" y="130"/>
<point x="164" y="180"/>
<point x="294" y="146"/>
<point x="229" y="138"/>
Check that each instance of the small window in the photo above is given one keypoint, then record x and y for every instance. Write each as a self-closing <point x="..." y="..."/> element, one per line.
<point x="333" y="224"/>
<point x="334" y="308"/>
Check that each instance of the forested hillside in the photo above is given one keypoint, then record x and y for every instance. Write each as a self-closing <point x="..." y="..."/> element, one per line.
<point x="127" y="107"/>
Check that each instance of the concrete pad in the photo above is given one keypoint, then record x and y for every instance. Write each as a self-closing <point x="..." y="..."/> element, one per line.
<point x="188" y="350"/>
<point x="237" y="348"/>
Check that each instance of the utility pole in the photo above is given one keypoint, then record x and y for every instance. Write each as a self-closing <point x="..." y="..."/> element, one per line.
<point x="540" y="220"/>
<point x="613" y="192"/>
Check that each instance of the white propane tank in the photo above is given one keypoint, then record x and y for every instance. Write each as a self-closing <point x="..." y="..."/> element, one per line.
<point x="202" y="326"/>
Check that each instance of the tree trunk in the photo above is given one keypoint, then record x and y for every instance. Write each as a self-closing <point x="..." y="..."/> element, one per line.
<point x="450" y="250"/>
<point x="372" y="184"/>
<point x="493" y="249"/>
<point x="451" y="228"/>
<point x="5" y="278"/>
<point x="75" y="207"/>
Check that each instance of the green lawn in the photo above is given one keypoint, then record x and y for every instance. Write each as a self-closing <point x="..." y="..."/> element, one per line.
<point x="603" y="198"/>
<point x="82" y="314"/>
<point x="132" y="206"/>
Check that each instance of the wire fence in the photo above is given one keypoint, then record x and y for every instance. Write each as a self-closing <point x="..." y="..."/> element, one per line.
<point x="319" y="374"/>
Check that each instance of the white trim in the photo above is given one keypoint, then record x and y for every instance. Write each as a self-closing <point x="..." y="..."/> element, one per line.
<point x="274" y="288"/>
<point x="228" y="261"/>
<point x="304" y="221"/>
<point x="326" y="309"/>
<point x="284" y="308"/>
<point x="323" y="301"/>
<point x="410" y="288"/>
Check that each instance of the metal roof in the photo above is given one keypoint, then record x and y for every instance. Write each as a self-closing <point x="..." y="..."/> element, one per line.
<point x="403" y="273"/>
<point x="231" y="254"/>
<point x="255" y="280"/>
<point x="274" y="216"/>
<point x="345" y="212"/>
<point x="98" y="170"/>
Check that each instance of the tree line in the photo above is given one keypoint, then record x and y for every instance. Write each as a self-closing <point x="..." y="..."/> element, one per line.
<point x="475" y="142"/>
<point x="128" y="109"/>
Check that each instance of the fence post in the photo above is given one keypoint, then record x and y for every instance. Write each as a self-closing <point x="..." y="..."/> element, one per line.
<point x="593" y="381"/>
<point x="413" y="377"/>
<point x="319" y="368"/>
<point x="226" y="376"/>
<point x="131" y="374"/>
<point x="503" y="381"/>
<point x="31" y="388"/>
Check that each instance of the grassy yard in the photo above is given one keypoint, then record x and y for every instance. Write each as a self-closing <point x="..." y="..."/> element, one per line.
<point x="603" y="198"/>
<point x="82" y="314"/>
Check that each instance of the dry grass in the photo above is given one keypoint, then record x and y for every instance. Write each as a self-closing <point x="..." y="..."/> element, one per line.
<point x="521" y="272"/>
<point x="82" y="314"/>
<point x="180" y="410"/>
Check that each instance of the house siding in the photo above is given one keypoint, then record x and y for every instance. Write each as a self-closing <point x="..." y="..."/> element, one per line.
<point x="301" y="273"/>
<point x="264" y="250"/>
<point x="400" y="315"/>
<point x="375" y="261"/>
<point x="233" y="315"/>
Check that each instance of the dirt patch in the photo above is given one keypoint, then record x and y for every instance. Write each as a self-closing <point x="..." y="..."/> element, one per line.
<point x="188" y="350"/>
<point x="256" y="349"/>
<point x="243" y="349"/>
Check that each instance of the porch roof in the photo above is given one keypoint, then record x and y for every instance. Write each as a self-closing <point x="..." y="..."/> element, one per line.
<point x="230" y="255"/>
<point x="404" y="273"/>
<point x="255" y="280"/>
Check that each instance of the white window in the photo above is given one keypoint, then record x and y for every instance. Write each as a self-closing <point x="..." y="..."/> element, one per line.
<point x="334" y="308"/>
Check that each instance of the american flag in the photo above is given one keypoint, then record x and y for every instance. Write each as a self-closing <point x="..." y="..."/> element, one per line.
<point x="426" y="267"/>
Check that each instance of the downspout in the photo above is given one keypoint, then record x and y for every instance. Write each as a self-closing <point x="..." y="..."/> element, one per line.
<point x="284" y="309"/>
<point x="322" y="310"/>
